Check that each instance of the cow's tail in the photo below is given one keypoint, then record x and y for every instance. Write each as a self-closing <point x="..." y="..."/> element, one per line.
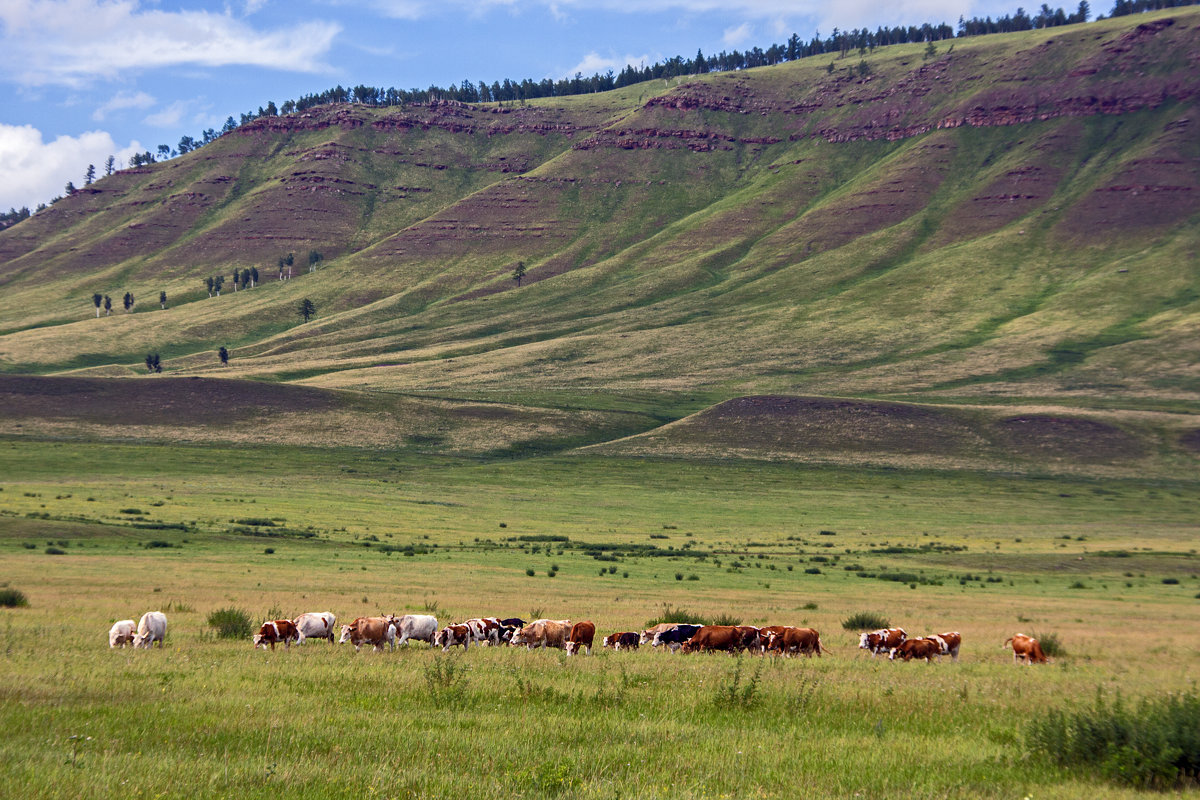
<point x="1007" y="642"/>
<point x="822" y="648"/>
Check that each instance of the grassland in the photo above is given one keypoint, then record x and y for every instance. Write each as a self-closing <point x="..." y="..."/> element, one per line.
<point x="1108" y="565"/>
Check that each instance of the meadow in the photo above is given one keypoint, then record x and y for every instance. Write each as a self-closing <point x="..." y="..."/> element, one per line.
<point x="1106" y="565"/>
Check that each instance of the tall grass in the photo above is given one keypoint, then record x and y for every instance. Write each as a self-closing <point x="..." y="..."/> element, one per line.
<point x="13" y="598"/>
<point x="866" y="621"/>
<point x="230" y="623"/>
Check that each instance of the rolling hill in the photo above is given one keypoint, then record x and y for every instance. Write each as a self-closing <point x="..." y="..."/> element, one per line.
<point x="1012" y="221"/>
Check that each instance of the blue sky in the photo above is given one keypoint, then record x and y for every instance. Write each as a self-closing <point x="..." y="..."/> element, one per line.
<point x="84" y="79"/>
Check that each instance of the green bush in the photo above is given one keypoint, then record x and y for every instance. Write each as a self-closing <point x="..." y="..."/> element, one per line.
<point x="672" y="614"/>
<point x="725" y="619"/>
<point x="55" y="551"/>
<point x="230" y="623"/>
<point x="866" y="621"/>
<point x="1155" y="745"/>
<point x="1051" y="645"/>
<point x="13" y="598"/>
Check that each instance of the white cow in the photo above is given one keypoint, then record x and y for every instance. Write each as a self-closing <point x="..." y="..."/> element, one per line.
<point x="316" y="625"/>
<point x="422" y="627"/>
<point x="152" y="627"/>
<point x="121" y="633"/>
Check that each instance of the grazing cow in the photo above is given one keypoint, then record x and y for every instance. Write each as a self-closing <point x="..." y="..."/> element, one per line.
<point x="582" y="635"/>
<point x="1026" y="648"/>
<point x="714" y="637"/>
<point x="316" y="625"/>
<point x="421" y="627"/>
<point x="909" y="649"/>
<point x="882" y="640"/>
<point x="121" y="633"/>
<point x="675" y="637"/>
<point x="485" y="630"/>
<point x="278" y="630"/>
<point x="152" y="627"/>
<point x="750" y="637"/>
<point x="627" y="640"/>
<point x="796" y="640"/>
<point x="375" y="631"/>
<point x="452" y="635"/>
<point x="949" y="643"/>
<point x="544" y="633"/>
<point x="648" y="634"/>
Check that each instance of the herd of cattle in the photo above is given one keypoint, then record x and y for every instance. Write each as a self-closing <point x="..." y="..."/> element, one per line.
<point x="572" y="637"/>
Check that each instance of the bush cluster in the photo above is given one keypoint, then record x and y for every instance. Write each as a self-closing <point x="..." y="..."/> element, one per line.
<point x="230" y="623"/>
<point x="13" y="598"/>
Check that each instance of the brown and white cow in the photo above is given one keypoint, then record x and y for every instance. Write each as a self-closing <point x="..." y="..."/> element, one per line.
<point x="152" y="627"/>
<point x="662" y="627"/>
<point x="121" y="633"/>
<point x="453" y="635"/>
<point x="714" y="637"/>
<point x="277" y="630"/>
<point x="882" y="640"/>
<point x="316" y="625"/>
<point x="485" y="630"/>
<point x="375" y="631"/>
<point x="582" y="635"/>
<point x="626" y="640"/>
<point x="949" y="642"/>
<point x="1026" y="648"/>
<point x="544" y="633"/>
<point x="909" y="649"/>
<point x="796" y="640"/>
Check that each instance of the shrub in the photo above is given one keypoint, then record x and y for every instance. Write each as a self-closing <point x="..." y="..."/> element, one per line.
<point x="1153" y="745"/>
<point x="1051" y="645"/>
<point x="157" y="543"/>
<point x="55" y="551"/>
<point x="671" y="614"/>
<point x="866" y="621"/>
<point x="812" y="571"/>
<point x="13" y="598"/>
<point x="230" y="623"/>
<point x="1171" y="581"/>
<point x="678" y="576"/>
<point x="725" y="619"/>
<point x="531" y="572"/>
<point x="269" y="551"/>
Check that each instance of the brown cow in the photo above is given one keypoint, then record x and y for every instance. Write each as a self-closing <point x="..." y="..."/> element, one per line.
<point x="376" y="631"/>
<point x="924" y="648"/>
<point x="1027" y="648"/>
<point x="882" y="640"/>
<point x="279" y="630"/>
<point x="544" y="633"/>
<point x="626" y="640"/>
<point x="714" y="637"/>
<point x="582" y="635"/>
<point x="796" y="640"/>
<point x="750" y="637"/>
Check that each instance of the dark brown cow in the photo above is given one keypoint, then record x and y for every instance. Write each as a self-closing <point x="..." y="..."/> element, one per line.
<point x="1026" y="648"/>
<point x="375" y="631"/>
<point x="279" y="630"/>
<point x="796" y="640"/>
<point x="750" y="637"/>
<point x="714" y="637"/>
<point x="582" y="635"/>
<point x="924" y="648"/>
<point x="882" y="640"/>
<point x="627" y="640"/>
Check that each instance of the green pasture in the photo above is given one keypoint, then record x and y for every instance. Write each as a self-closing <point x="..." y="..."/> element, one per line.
<point x="1109" y="566"/>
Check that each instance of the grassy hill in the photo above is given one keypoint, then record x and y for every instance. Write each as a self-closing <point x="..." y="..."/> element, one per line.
<point x="1012" y="221"/>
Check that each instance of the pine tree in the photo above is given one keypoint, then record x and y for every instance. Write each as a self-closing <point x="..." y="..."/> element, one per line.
<point x="128" y="301"/>
<point x="223" y="354"/>
<point x="90" y="177"/>
<point x="306" y="309"/>
<point x="110" y="165"/>
<point x="519" y="273"/>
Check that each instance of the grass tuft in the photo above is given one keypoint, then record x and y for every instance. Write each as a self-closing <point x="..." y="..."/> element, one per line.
<point x="230" y="623"/>
<point x="13" y="598"/>
<point x="866" y="621"/>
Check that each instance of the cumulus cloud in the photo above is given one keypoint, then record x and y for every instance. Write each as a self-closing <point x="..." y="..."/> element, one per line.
<point x="122" y="101"/>
<point x="594" y="63"/>
<point x="73" y="42"/>
<point x="35" y="170"/>
<point x="737" y="36"/>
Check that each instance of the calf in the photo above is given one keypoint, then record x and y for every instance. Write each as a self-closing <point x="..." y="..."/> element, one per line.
<point x="452" y="635"/>
<point x="882" y="640"/>
<point x="152" y="627"/>
<point x="122" y="633"/>
<point x="628" y="640"/>
<point x="316" y="625"/>
<point x="675" y="637"/>
<point x="714" y="637"/>
<point x="375" y="631"/>
<point x="909" y="649"/>
<point x="582" y="634"/>
<point x="1026" y="648"/>
<point x="278" y="630"/>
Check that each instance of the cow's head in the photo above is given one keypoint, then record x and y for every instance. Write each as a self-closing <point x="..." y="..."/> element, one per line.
<point x="520" y="637"/>
<point x="572" y="648"/>
<point x="346" y="631"/>
<point x="864" y="641"/>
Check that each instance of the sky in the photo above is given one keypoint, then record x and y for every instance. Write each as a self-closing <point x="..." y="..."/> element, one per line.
<point x="81" y="80"/>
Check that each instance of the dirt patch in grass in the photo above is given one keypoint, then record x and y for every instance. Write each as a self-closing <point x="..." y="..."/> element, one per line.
<point x="1067" y="437"/>
<point x="1191" y="440"/>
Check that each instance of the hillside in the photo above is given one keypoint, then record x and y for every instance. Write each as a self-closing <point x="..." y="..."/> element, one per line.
<point x="1013" y="220"/>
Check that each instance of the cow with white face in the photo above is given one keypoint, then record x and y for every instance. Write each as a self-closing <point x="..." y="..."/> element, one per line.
<point x="152" y="627"/>
<point x="452" y="635"/>
<point x="277" y="630"/>
<point x="421" y="627"/>
<point x="316" y="625"/>
<point x="485" y="630"/>
<point x="122" y="633"/>
<point x="883" y="640"/>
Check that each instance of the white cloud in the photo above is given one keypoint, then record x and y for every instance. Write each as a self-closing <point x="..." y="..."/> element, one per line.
<point x="33" y="170"/>
<point x="72" y="42"/>
<point x="736" y="37"/>
<point x="121" y="101"/>
<point x="169" y="117"/>
<point x="594" y="63"/>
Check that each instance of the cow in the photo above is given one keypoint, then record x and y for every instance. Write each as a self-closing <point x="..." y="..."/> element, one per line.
<point x="882" y="640"/>
<point x="714" y="637"/>
<point x="796" y="640"/>
<point x="485" y="630"/>
<point x="277" y="630"/>
<point x="513" y="622"/>
<point x="765" y="633"/>
<point x="421" y="627"/>
<point x="648" y="634"/>
<point x="452" y="635"/>
<point x="316" y="625"/>
<point x="1026" y="648"/>
<point x="909" y="649"/>
<point x="627" y="640"/>
<point x="121" y="633"/>
<point x="152" y="627"/>
<point x="675" y="637"/>
<point x="375" y="631"/>
<point x="750" y="637"/>
<point x="582" y="635"/>
<point x="949" y="643"/>
<point x="544" y="633"/>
